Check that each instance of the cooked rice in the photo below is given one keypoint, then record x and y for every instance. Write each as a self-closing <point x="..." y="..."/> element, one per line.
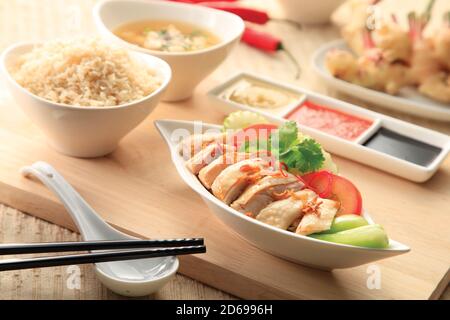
<point x="84" y="72"/>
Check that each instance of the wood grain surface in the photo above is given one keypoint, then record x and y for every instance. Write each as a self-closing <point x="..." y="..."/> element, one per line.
<point x="25" y="20"/>
<point x="51" y="283"/>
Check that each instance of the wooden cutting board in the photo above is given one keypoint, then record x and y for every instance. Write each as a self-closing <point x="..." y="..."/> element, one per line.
<point x="137" y="190"/>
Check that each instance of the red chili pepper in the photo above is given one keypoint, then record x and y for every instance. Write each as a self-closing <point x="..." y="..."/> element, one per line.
<point x="268" y="43"/>
<point x="261" y="40"/>
<point x="247" y="14"/>
<point x="201" y="1"/>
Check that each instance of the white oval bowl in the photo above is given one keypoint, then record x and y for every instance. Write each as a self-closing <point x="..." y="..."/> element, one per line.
<point x="284" y="244"/>
<point x="189" y="68"/>
<point x="409" y="100"/>
<point x="84" y="131"/>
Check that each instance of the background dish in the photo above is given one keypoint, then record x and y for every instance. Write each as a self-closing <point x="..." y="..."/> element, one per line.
<point x="409" y="100"/>
<point x="189" y="68"/>
<point x="84" y="131"/>
<point x="308" y="11"/>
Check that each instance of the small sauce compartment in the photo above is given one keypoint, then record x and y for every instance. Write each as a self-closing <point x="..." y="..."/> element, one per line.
<point x="403" y="147"/>
<point x="260" y="96"/>
<point x="332" y="121"/>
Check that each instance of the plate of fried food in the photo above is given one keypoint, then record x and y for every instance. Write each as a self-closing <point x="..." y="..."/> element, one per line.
<point x="390" y="65"/>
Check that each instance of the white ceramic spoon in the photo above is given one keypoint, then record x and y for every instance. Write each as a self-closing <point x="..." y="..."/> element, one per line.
<point x="129" y="278"/>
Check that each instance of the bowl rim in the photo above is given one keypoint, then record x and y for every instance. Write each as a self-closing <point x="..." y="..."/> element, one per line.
<point x="103" y="28"/>
<point x="9" y="51"/>
<point x="176" y="159"/>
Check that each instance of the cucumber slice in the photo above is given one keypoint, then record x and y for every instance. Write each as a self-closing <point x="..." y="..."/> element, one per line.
<point x="242" y="119"/>
<point x="346" y="222"/>
<point x="370" y="236"/>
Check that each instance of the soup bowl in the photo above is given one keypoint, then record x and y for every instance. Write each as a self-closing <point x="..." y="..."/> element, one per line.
<point x="84" y="132"/>
<point x="308" y="11"/>
<point x="284" y="244"/>
<point x="189" y="68"/>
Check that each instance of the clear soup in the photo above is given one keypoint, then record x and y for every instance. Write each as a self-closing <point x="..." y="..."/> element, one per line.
<point x="168" y="36"/>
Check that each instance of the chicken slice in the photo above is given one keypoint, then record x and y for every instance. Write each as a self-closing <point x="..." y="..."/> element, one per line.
<point x="320" y="218"/>
<point x="208" y="174"/>
<point x="230" y="183"/>
<point x="305" y="208"/>
<point x="207" y="155"/>
<point x="196" y="142"/>
<point x="264" y="192"/>
<point x="283" y="213"/>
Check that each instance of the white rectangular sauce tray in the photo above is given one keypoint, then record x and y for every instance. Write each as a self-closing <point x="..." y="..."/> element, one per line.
<point x="380" y="145"/>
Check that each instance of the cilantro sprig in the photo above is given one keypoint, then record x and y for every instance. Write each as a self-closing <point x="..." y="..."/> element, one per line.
<point x="301" y="155"/>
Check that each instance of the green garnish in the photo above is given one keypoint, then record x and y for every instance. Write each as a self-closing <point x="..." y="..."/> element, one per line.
<point x="303" y="156"/>
<point x="196" y="33"/>
<point x="288" y="135"/>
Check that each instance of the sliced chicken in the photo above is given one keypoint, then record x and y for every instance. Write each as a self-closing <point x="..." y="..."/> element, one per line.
<point x="196" y="142"/>
<point x="283" y="213"/>
<point x="208" y="174"/>
<point x="319" y="218"/>
<point x="230" y="183"/>
<point x="207" y="155"/>
<point x="258" y="196"/>
<point x="305" y="209"/>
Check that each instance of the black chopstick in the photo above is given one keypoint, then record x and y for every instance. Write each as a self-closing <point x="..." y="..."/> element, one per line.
<point x="45" y="247"/>
<point x="97" y="257"/>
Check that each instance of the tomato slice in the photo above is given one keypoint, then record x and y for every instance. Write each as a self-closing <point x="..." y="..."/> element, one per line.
<point x="331" y="186"/>
<point x="347" y="194"/>
<point x="253" y="132"/>
<point x="320" y="182"/>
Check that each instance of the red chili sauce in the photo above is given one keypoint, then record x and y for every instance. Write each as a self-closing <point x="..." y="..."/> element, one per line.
<point x="331" y="121"/>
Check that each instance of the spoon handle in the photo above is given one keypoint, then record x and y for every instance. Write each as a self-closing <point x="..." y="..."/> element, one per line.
<point x="90" y="225"/>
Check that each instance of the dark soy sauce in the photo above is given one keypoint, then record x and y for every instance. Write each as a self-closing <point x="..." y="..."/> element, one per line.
<point x="403" y="147"/>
